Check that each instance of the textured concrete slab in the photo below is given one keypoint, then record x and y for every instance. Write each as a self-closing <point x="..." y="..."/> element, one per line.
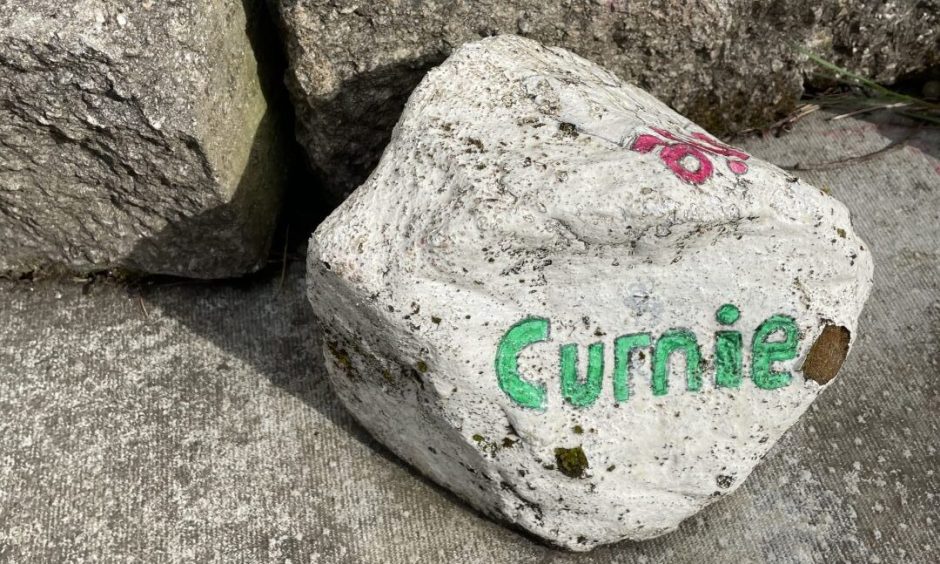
<point x="193" y="422"/>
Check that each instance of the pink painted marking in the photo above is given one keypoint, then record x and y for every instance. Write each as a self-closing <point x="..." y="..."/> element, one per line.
<point x="679" y="148"/>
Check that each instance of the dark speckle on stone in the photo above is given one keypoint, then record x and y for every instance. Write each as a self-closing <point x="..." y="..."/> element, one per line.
<point x="568" y="129"/>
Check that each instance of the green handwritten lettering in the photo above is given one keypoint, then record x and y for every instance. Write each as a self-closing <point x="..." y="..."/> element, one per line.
<point x="623" y="346"/>
<point x="519" y="336"/>
<point x="728" y="362"/>
<point x="765" y="353"/>
<point x="577" y="393"/>
<point x="669" y="342"/>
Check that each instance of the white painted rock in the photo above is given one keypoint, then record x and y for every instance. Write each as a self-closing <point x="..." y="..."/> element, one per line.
<point x="573" y="307"/>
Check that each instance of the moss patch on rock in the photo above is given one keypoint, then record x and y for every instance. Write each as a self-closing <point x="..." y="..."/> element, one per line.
<point x="571" y="462"/>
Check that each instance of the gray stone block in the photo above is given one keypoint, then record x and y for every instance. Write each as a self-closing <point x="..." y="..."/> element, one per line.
<point x="725" y="65"/>
<point x="135" y="136"/>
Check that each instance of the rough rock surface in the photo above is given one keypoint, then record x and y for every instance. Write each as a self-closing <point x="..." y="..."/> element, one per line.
<point x="726" y="65"/>
<point x="569" y="305"/>
<point x="133" y="136"/>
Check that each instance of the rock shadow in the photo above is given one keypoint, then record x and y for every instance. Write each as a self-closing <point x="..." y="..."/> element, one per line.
<point x="265" y="321"/>
<point x="346" y="134"/>
<point x="261" y="318"/>
<point x="277" y="203"/>
<point x="230" y="238"/>
<point x="306" y="201"/>
<point x="251" y="250"/>
<point x="906" y="133"/>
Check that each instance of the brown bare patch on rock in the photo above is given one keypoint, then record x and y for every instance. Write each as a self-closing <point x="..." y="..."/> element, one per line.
<point x="828" y="353"/>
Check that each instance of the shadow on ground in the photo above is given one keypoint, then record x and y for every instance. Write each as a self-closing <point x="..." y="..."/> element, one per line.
<point x="283" y="346"/>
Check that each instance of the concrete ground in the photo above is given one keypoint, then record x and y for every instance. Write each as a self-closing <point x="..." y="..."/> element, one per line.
<point x="182" y="421"/>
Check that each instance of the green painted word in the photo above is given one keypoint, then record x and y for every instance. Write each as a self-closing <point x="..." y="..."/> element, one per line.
<point x="765" y="351"/>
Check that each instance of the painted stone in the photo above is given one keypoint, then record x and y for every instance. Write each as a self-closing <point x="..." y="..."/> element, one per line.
<point x="573" y="307"/>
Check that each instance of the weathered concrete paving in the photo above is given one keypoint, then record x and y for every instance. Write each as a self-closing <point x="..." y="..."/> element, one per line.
<point x="193" y="422"/>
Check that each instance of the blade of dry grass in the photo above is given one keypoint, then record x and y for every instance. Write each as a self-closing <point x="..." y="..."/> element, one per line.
<point x="878" y="97"/>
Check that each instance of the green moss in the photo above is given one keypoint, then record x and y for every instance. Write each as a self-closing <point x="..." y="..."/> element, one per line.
<point x="493" y="447"/>
<point x="421" y="366"/>
<point x="571" y="462"/>
<point x="840" y="232"/>
<point x="341" y="357"/>
<point x="578" y="430"/>
<point x="435" y="320"/>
